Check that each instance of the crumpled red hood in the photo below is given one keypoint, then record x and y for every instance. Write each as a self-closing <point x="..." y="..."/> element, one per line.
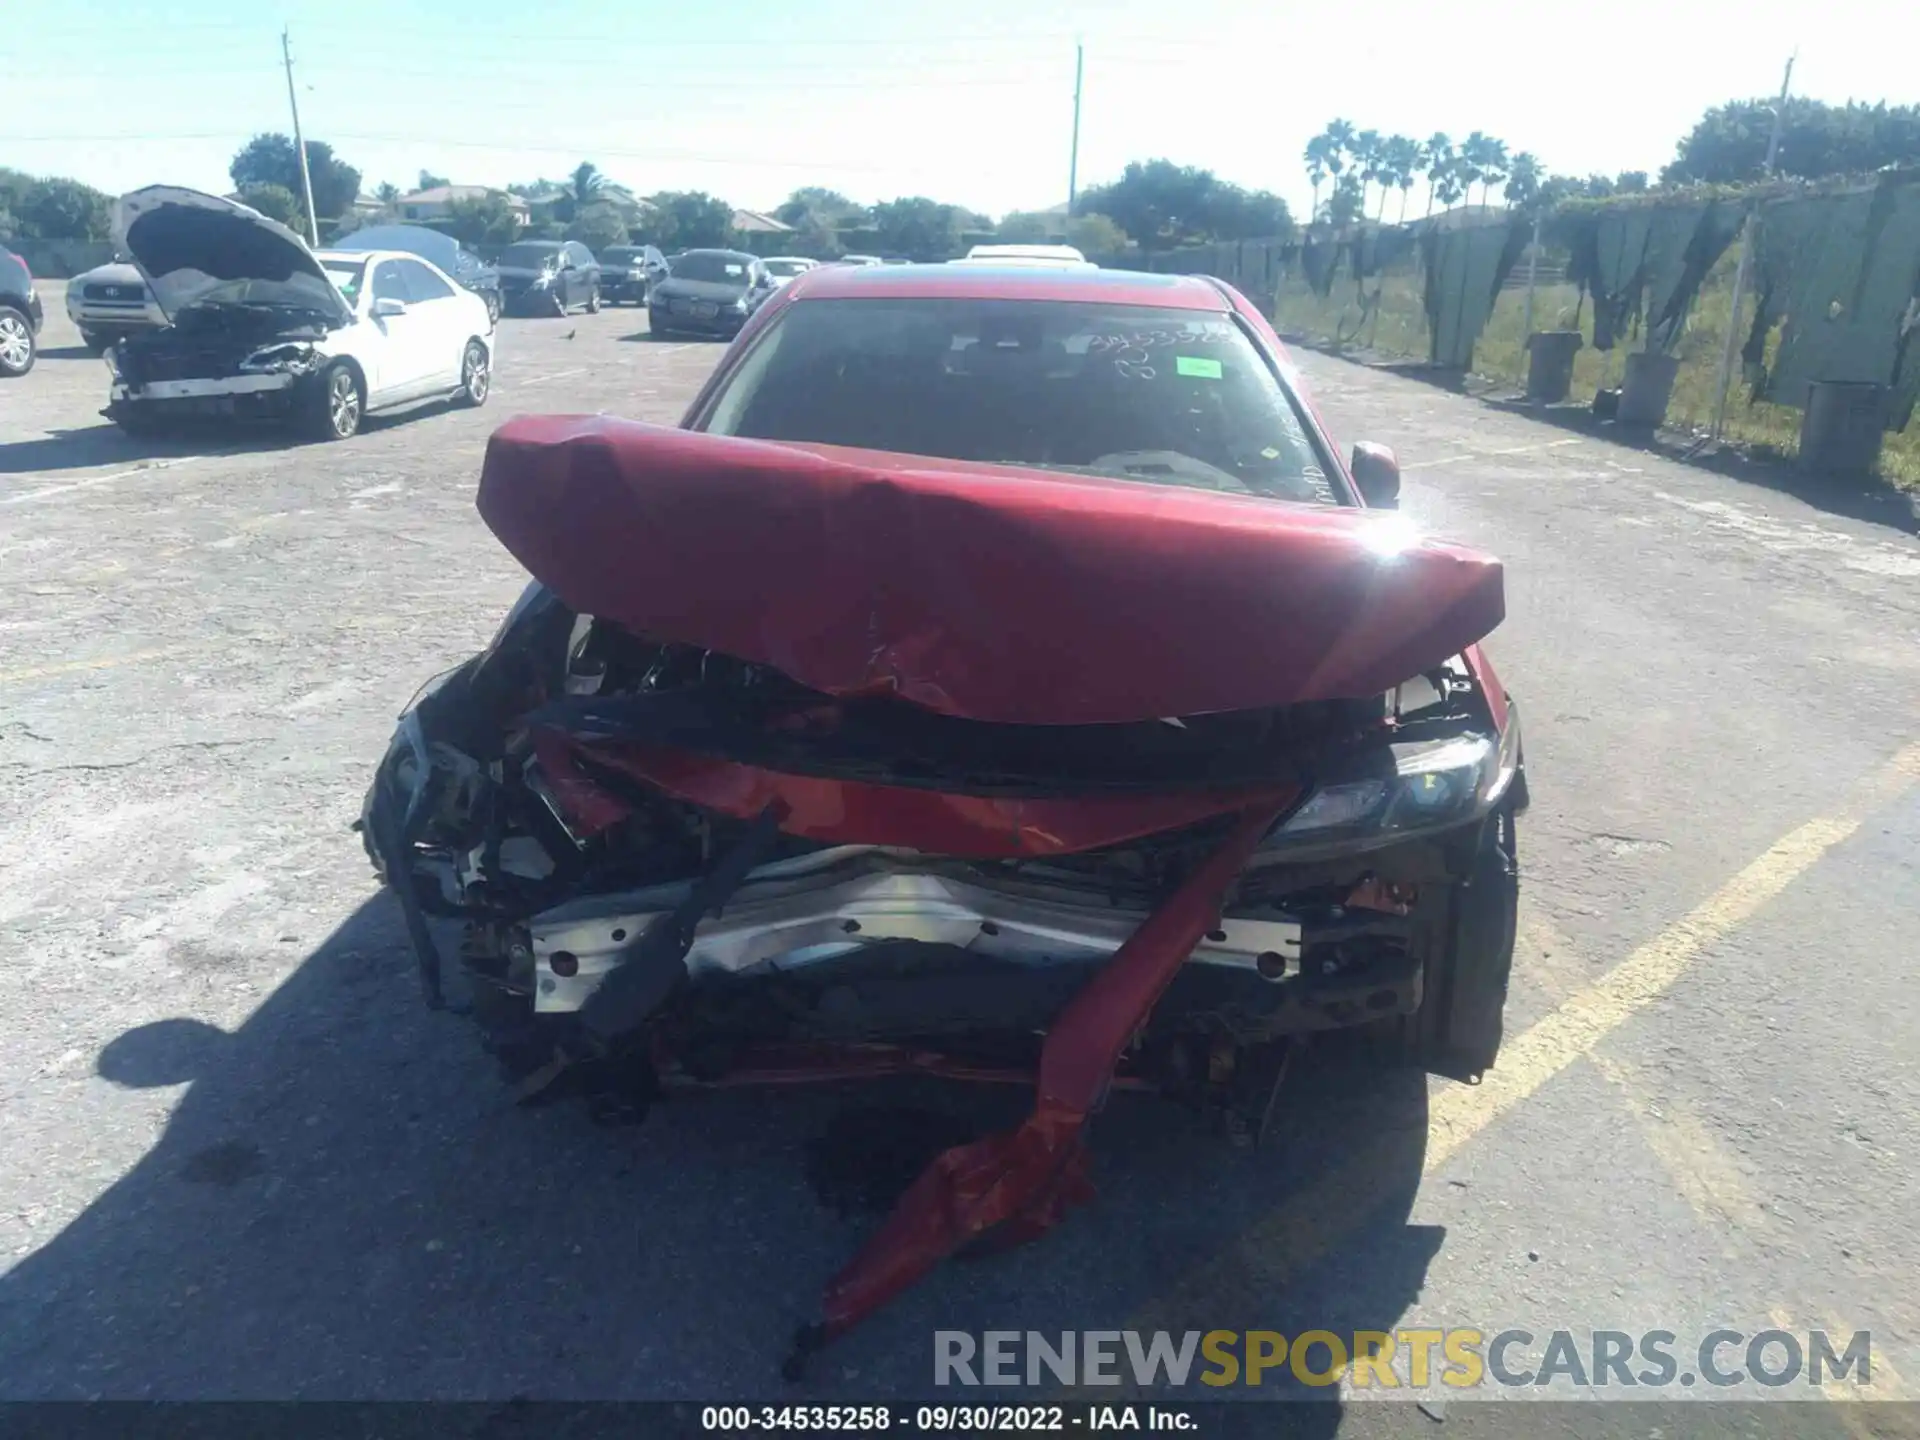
<point x="990" y="593"/>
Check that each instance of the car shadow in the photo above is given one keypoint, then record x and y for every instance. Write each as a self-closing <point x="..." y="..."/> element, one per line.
<point x="110" y="445"/>
<point x="345" y="1204"/>
<point x="69" y="352"/>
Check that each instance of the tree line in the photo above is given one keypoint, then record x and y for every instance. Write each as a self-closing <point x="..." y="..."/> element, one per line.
<point x="1155" y="204"/>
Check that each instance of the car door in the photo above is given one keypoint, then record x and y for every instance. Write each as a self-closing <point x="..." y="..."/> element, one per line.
<point x="442" y="324"/>
<point x="586" y="271"/>
<point x="401" y="368"/>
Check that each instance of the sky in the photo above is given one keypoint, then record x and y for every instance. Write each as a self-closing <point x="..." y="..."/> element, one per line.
<point x="968" y="101"/>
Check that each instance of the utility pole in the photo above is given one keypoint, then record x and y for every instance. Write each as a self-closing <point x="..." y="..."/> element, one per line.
<point x="299" y="141"/>
<point x="1073" y="159"/>
<point x="1746" y="259"/>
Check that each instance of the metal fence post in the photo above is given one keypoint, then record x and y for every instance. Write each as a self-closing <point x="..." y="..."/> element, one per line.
<point x="1725" y="384"/>
<point x="1533" y="271"/>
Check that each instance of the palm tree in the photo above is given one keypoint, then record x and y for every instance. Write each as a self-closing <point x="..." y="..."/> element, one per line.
<point x="1339" y="134"/>
<point x="1450" y="180"/>
<point x="1318" y="156"/>
<point x="388" y="194"/>
<point x="1472" y="160"/>
<point x="1435" y="156"/>
<point x="1403" y="162"/>
<point x="586" y="180"/>
<point x="1523" y="180"/>
<point x="1493" y="168"/>
<point x="1366" y="154"/>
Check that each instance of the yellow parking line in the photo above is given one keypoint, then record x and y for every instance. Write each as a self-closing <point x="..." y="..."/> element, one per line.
<point x="1583" y="1020"/>
<point x="1262" y="1258"/>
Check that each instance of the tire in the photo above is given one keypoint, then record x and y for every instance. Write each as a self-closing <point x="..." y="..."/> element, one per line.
<point x="337" y="403"/>
<point x="476" y="375"/>
<point x="17" y="347"/>
<point x="560" y="304"/>
<point x="96" y="343"/>
<point x="1457" y="1030"/>
<point x="593" y="301"/>
<point x="492" y="297"/>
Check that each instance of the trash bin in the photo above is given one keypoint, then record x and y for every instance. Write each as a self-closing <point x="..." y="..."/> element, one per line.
<point x="1550" y="364"/>
<point x="1645" y="391"/>
<point x="1841" y="431"/>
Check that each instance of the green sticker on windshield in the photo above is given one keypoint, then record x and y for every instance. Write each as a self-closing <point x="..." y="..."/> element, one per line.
<point x="1197" y="366"/>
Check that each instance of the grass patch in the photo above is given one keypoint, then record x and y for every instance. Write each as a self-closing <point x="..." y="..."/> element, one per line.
<point x="1400" y="328"/>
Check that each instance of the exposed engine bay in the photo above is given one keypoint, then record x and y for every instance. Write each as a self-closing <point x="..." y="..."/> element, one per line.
<point x="525" y="798"/>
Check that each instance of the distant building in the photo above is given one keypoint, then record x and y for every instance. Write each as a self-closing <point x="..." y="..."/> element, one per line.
<point x="437" y="203"/>
<point x="752" y="222"/>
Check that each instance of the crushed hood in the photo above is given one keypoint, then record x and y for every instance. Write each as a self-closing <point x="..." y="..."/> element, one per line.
<point x="193" y="248"/>
<point x="980" y="591"/>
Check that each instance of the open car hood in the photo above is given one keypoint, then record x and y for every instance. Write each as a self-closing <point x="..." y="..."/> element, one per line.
<point x="981" y="591"/>
<point x="191" y="247"/>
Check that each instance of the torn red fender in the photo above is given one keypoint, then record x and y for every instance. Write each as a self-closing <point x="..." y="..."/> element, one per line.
<point x="1027" y="1179"/>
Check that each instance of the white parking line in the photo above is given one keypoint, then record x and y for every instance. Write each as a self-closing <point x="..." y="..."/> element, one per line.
<point x="1487" y="455"/>
<point x="48" y="491"/>
<point x="557" y="375"/>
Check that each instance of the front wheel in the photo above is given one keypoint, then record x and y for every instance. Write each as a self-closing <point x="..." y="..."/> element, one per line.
<point x="593" y="301"/>
<point x="16" y="342"/>
<point x="559" y="303"/>
<point x="1458" y="1028"/>
<point x="338" y="404"/>
<point x="476" y="375"/>
<point x="96" y="343"/>
<point x="492" y="298"/>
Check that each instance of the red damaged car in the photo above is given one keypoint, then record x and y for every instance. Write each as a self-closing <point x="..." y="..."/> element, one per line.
<point x="997" y="675"/>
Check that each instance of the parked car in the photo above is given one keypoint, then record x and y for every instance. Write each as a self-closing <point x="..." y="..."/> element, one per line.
<point x="999" y="674"/>
<point x="709" y="292"/>
<point x="859" y="260"/>
<point x="21" y="315"/>
<point x="548" y="277"/>
<point x="110" y="302"/>
<point x="443" y="251"/>
<point x="261" y="326"/>
<point x="786" y="267"/>
<point x="628" y="272"/>
<point x="1051" y="256"/>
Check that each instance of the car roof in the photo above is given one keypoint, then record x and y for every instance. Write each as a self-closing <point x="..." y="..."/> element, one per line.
<point x="368" y="256"/>
<point x="981" y="281"/>
<point x="718" y="250"/>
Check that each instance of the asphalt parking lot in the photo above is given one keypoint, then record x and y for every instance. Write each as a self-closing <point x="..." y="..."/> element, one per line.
<point x="240" y="1159"/>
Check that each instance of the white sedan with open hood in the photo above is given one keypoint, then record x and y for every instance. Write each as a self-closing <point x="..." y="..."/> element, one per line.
<point x="261" y="325"/>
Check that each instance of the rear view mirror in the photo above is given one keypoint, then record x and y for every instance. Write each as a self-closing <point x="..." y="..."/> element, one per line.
<point x="1376" y="473"/>
<point x="387" y="305"/>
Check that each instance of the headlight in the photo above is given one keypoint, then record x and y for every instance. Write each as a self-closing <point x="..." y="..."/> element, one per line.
<point x="1434" y="786"/>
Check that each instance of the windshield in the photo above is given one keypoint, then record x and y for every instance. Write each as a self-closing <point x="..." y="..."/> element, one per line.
<point x="1167" y="397"/>
<point x="531" y="257"/>
<point x="617" y="256"/>
<point x="346" y="276"/>
<point x="711" y="266"/>
<point x="786" y="268"/>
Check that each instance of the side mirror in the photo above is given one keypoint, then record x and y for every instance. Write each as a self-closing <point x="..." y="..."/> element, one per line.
<point x="1376" y="472"/>
<point x="387" y="305"/>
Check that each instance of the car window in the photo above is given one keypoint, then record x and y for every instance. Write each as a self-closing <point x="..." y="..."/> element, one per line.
<point x="1164" y="397"/>
<point x="422" y="283"/>
<point x="347" y="276"/>
<point x="389" y="283"/>
<point x="711" y="266"/>
<point x="529" y="256"/>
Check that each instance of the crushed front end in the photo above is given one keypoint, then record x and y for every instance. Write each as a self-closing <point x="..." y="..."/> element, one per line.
<point x="216" y="361"/>
<point x="670" y="860"/>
